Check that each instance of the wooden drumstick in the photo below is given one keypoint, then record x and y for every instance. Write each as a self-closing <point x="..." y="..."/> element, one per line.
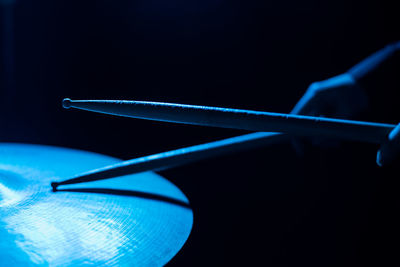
<point x="239" y="119"/>
<point x="176" y="157"/>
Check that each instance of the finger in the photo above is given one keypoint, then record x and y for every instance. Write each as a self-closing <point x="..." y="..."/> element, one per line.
<point x="300" y="144"/>
<point x="325" y="142"/>
<point x="390" y="149"/>
<point x="308" y="103"/>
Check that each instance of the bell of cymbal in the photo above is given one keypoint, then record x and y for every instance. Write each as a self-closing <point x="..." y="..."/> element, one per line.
<point x="135" y="220"/>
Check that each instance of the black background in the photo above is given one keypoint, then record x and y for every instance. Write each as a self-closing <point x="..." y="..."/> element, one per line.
<point x="262" y="207"/>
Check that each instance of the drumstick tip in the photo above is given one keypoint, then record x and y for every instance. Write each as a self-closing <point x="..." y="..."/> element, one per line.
<point x="66" y="103"/>
<point x="54" y="186"/>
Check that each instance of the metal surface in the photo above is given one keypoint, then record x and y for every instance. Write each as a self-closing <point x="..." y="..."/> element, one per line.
<point x="140" y="221"/>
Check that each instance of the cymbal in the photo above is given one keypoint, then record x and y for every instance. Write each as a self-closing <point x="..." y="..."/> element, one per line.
<point x="135" y="220"/>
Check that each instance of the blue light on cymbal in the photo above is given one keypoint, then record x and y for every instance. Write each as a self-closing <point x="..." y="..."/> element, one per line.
<point x="140" y="221"/>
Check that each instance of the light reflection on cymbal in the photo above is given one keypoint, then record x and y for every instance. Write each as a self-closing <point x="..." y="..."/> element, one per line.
<point x="38" y="226"/>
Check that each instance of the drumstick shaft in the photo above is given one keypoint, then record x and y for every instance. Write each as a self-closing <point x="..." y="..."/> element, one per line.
<point x="239" y="119"/>
<point x="177" y="157"/>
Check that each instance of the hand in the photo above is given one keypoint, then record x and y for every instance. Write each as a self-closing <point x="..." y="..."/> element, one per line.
<point x="338" y="97"/>
<point x="389" y="149"/>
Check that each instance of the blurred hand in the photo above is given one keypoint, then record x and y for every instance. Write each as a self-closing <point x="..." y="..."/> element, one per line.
<point x="341" y="97"/>
<point x="389" y="149"/>
<point x="336" y="97"/>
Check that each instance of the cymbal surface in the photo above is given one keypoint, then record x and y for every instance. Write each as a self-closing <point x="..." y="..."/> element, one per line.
<point x="134" y="220"/>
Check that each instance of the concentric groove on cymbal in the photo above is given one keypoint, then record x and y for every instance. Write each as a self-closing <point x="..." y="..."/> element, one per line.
<point x="66" y="228"/>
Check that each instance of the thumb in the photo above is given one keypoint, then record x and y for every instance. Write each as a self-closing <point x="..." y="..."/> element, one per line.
<point x="390" y="149"/>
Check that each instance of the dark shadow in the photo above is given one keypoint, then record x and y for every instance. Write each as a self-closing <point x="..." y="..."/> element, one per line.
<point x="130" y="193"/>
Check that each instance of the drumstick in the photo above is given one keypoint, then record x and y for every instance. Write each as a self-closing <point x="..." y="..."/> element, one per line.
<point x="173" y="158"/>
<point x="239" y="119"/>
